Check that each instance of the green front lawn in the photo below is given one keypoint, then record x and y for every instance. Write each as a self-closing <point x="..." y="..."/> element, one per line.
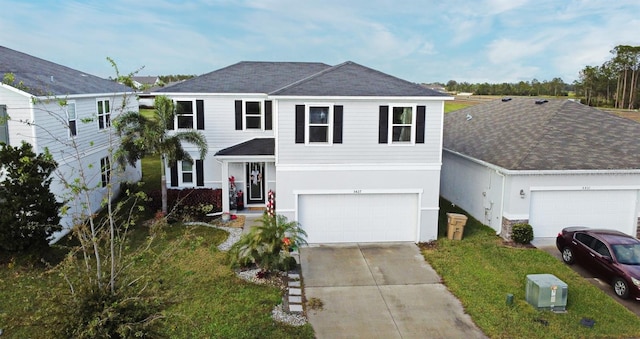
<point x="208" y="300"/>
<point x="481" y="271"/>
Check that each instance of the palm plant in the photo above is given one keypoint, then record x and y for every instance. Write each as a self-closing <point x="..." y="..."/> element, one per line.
<point x="141" y="136"/>
<point x="266" y="245"/>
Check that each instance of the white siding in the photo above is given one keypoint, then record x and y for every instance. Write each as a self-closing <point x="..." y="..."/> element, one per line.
<point x="360" y="136"/>
<point x="18" y="109"/>
<point x="423" y="181"/>
<point x="475" y="188"/>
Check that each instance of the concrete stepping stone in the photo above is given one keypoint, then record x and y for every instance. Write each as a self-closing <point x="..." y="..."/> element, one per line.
<point x="295" y="291"/>
<point x="295" y="299"/>
<point x="295" y="308"/>
<point x="294" y="283"/>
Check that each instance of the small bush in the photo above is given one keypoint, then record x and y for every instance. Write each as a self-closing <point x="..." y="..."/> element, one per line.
<point x="189" y="204"/>
<point x="522" y="233"/>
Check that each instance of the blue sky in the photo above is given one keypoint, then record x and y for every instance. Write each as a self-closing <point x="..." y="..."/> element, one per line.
<point x="422" y="41"/>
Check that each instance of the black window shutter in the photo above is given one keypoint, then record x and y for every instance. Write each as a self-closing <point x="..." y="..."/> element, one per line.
<point x="171" y="122"/>
<point x="268" y="115"/>
<point x="174" y="174"/>
<point x="420" y="125"/>
<point x="299" y="124"/>
<point x="383" y="125"/>
<point x="238" y="115"/>
<point x="199" y="114"/>
<point x="337" y="124"/>
<point x="199" y="173"/>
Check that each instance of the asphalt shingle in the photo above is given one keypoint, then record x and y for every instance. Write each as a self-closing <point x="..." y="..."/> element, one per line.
<point x="42" y="77"/>
<point x="557" y="135"/>
<point x="257" y="146"/>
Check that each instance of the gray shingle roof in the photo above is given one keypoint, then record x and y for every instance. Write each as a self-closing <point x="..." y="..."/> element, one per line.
<point x="300" y="79"/>
<point x="248" y="77"/>
<point x="43" y="77"/>
<point x="557" y="135"/>
<point x="257" y="146"/>
<point x="351" y="79"/>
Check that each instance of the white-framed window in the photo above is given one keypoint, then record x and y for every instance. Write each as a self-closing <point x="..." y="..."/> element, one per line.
<point x="319" y="119"/>
<point x="105" y="171"/>
<point x="186" y="170"/>
<point x="402" y="124"/>
<point x="185" y="111"/>
<point x="72" y="119"/>
<point x="104" y="113"/>
<point x="253" y="114"/>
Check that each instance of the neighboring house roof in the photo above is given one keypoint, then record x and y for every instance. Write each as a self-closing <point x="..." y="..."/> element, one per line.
<point x="146" y="80"/>
<point x="556" y="135"/>
<point x="301" y="79"/>
<point x="248" y="77"/>
<point x="257" y="146"/>
<point x="40" y="77"/>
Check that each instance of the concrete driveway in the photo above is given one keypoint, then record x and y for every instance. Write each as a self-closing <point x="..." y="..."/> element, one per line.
<point x="379" y="291"/>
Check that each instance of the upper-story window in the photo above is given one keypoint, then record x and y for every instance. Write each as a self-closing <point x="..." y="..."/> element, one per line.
<point x="319" y="124"/>
<point x="104" y="113"/>
<point x="72" y="119"/>
<point x="184" y="113"/>
<point x="402" y="124"/>
<point x="4" y="125"/>
<point x="253" y="114"/>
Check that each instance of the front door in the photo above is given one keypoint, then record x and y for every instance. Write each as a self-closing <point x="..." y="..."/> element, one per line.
<point x="255" y="183"/>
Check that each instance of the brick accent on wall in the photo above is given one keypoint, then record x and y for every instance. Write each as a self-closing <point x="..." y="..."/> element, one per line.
<point x="507" y="225"/>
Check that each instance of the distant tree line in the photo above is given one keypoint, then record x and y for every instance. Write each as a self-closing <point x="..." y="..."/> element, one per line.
<point x="555" y="87"/>
<point x="615" y="83"/>
<point x="175" y="77"/>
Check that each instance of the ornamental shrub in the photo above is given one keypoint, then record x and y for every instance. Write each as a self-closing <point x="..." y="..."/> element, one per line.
<point x="522" y="233"/>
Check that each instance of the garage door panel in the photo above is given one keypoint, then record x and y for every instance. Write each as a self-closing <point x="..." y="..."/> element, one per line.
<point x="332" y="218"/>
<point x="553" y="210"/>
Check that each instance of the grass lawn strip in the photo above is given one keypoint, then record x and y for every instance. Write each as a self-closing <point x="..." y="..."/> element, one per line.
<point x="480" y="271"/>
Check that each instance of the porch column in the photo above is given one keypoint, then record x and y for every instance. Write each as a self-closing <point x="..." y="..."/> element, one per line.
<point x="225" y="186"/>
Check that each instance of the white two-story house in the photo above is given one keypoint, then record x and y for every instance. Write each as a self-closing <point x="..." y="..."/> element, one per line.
<point x="351" y="153"/>
<point x="68" y="113"/>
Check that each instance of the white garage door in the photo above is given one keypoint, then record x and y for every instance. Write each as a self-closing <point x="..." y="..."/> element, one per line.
<point x="335" y="218"/>
<point x="553" y="210"/>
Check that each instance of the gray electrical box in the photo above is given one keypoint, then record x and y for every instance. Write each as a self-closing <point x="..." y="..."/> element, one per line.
<point x="546" y="292"/>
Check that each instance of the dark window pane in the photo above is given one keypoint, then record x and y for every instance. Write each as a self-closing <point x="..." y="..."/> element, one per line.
<point x="318" y="134"/>
<point x="100" y="110"/>
<point x="318" y="115"/>
<point x="402" y="115"/>
<point x="106" y="106"/>
<point x="253" y="107"/>
<point x="107" y="120"/>
<point x="72" y="128"/>
<point x="100" y="123"/>
<point x="401" y="133"/>
<point x="187" y="177"/>
<point x="254" y="122"/>
<point x="185" y="121"/>
<point x="184" y="107"/>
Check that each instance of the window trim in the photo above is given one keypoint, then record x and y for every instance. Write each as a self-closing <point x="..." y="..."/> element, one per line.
<point x="4" y="123"/>
<point x="414" y="114"/>
<point x="308" y="124"/>
<point x="105" y="172"/>
<point x="260" y="115"/>
<point x="176" y="125"/>
<point x="71" y="134"/>
<point x="105" y="117"/>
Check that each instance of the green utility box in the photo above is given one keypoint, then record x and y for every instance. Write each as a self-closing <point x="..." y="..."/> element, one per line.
<point x="546" y="292"/>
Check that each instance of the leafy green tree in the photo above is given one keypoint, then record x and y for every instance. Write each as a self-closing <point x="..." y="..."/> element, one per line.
<point x="141" y="136"/>
<point x="267" y="244"/>
<point x="28" y="209"/>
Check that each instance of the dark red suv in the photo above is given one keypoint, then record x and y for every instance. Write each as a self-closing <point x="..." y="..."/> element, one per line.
<point x="612" y="255"/>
